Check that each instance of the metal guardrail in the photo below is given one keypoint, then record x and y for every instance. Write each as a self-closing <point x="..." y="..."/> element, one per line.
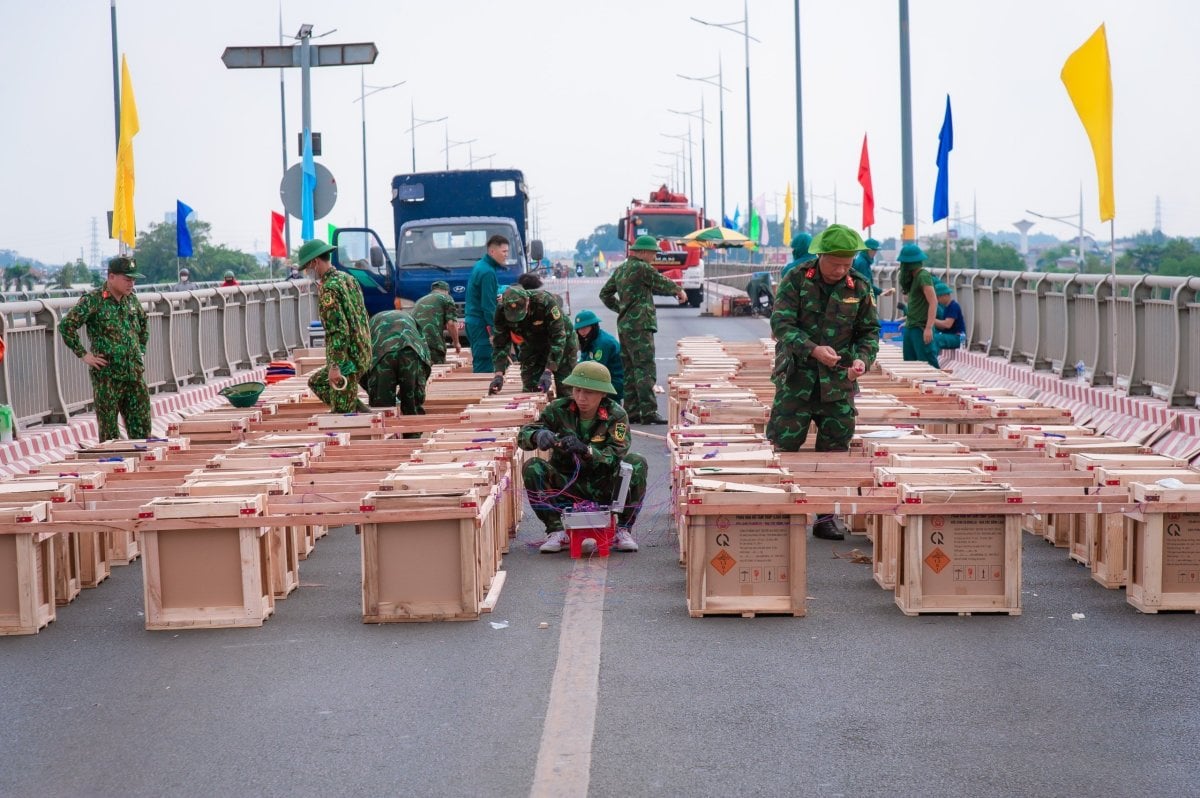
<point x="1064" y="323"/>
<point x="194" y="336"/>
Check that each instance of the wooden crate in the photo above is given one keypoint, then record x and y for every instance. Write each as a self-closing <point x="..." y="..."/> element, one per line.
<point x="746" y="553"/>
<point x="1105" y="535"/>
<point x="885" y="551"/>
<point x="26" y="571"/>
<point x="67" y="584"/>
<point x="1059" y="528"/>
<point x="205" y="564"/>
<point x="122" y="547"/>
<point x="430" y="568"/>
<point x="959" y="563"/>
<point x="94" y="566"/>
<point x="1163" y="550"/>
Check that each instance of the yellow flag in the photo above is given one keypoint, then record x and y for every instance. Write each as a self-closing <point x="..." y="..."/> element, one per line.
<point x="1088" y="78"/>
<point x="787" y="217"/>
<point x="124" y="226"/>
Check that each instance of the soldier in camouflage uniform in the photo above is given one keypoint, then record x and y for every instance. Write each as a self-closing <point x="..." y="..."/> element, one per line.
<point x="347" y="338"/>
<point x="118" y="334"/>
<point x="827" y="334"/>
<point x="530" y="281"/>
<point x="587" y="435"/>
<point x="399" y="365"/>
<point x="434" y="313"/>
<point x="533" y="321"/>
<point x="630" y="292"/>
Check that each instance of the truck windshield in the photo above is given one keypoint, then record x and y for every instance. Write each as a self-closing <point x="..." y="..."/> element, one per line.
<point x="664" y="225"/>
<point x="454" y="246"/>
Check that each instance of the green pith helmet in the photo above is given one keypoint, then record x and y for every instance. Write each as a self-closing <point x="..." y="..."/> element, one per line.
<point x="871" y="243"/>
<point x="311" y="250"/>
<point x="515" y="301"/>
<point x="585" y="318"/>
<point x="439" y="285"/>
<point x="800" y="243"/>
<point x="228" y="275"/>
<point x="593" y="376"/>
<point x="941" y="289"/>
<point x="837" y="239"/>
<point x="911" y="253"/>
<point x="645" y="244"/>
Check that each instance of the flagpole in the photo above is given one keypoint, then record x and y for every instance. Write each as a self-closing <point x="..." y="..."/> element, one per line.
<point x="947" y="250"/>
<point x="1112" y="266"/>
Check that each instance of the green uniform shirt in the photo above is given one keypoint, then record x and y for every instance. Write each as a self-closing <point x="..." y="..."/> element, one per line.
<point x="432" y="313"/>
<point x="630" y="292"/>
<point x="918" y="305"/>
<point x="542" y="334"/>
<point x="607" y="438"/>
<point x="117" y="331"/>
<point x="344" y="317"/>
<point x="393" y="330"/>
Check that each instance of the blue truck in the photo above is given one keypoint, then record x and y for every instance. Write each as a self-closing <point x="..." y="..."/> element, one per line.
<point x="442" y="223"/>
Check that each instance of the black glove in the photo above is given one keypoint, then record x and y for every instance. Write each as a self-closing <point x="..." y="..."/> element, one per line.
<point x="544" y="439"/>
<point x="496" y="384"/>
<point x="572" y="445"/>
<point x="546" y="381"/>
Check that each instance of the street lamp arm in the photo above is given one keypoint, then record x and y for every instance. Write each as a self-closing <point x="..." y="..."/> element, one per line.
<point x="376" y="90"/>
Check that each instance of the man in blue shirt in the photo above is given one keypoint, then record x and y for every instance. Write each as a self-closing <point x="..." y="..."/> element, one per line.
<point x="599" y="346"/>
<point x="950" y="326"/>
<point x="482" y="291"/>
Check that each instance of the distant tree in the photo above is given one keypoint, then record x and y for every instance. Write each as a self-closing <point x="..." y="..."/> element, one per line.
<point x="17" y="277"/>
<point x="71" y="273"/>
<point x="991" y="257"/>
<point x="156" y="248"/>
<point x="603" y="237"/>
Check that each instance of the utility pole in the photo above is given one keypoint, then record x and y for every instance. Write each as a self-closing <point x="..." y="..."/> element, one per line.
<point x="363" y="94"/>
<point x="909" y="233"/>
<point x="799" y="129"/>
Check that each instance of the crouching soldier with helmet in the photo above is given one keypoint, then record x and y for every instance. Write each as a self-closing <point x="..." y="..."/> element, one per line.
<point x="587" y="435"/>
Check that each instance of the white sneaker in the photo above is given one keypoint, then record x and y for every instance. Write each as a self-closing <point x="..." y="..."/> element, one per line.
<point x="555" y="542"/>
<point x="625" y="541"/>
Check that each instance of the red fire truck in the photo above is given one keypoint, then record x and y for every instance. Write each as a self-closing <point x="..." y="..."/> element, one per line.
<point x="669" y="217"/>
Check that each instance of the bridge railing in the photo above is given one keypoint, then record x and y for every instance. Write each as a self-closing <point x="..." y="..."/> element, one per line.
<point x="1065" y="323"/>
<point x="194" y="336"/>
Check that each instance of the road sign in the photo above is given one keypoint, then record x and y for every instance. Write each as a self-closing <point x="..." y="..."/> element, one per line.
<point x="324" y="197"/>
<point x="274" y="57"/>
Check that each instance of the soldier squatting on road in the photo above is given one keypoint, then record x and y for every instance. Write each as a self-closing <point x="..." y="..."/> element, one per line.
<point x="347" y="338"/>
<point x="827" y="335"/>
<point x="118" y="333"/>
<point x="434" y="313"/>
<point x="532" y="321"/>
<point x="587" y="435"/>
<point x="630" y="292"/>
<point x="399" y="365"/>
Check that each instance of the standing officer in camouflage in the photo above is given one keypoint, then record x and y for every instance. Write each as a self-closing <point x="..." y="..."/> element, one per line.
<point x="587" y="435"/>
<point x="399" y="365"/>
<point x="531" y="320"/>
<point x="826" y="336"/>
<point x="630" y="292"/>
<point x="347" y="338"/>
<point x="434" y="313"/>
<point x="118" y="333"/>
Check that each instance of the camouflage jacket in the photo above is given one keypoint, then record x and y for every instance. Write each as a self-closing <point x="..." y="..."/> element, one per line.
<point x="117" y="331"/>
<point x="432" y="313"/>
<point x="608" y="442"/>
<point x="542" y="334"/>
<point x="392" y="331"/>
<point x="806" y="316"/>
<point x="630" y="292"/>
<point x="344" y="317"/>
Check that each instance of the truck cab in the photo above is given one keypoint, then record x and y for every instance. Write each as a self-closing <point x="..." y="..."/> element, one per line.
<point x="668" y="217"/>
<point x="443" y="221"/>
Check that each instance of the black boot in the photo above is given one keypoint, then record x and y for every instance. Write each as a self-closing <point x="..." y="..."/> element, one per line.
<point x="829" y="527"/>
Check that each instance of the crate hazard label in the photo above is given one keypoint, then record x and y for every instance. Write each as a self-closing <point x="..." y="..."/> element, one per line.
<point x="937" y="560"/>
<point x="1181" y="553"/>
<point x="722" y="562"/>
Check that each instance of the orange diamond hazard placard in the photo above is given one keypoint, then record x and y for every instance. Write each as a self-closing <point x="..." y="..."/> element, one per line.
<point x="937" y="560"/>
<point x="722" y="562"/>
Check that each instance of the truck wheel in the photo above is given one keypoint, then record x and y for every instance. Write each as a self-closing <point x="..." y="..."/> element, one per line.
<point x="695" y="297"/>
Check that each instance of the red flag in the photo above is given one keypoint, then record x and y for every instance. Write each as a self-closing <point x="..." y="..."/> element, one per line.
<point x="864" y="180"/>
<point x="278" y="247"/>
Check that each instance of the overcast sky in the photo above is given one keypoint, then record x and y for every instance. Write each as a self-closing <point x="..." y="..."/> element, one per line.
<point x="577" y="96"/>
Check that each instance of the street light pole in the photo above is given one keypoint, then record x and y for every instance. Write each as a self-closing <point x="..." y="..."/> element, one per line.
<point x="363" y="94"/>
<point x="450" y="144"/>
<point x="799" y="129"/>
<point x="691" y="181"/>
<point x="909" y="230"/>
<point x="717" y="80"/>
<point x="703" y="151"/>
<point x="416" y="123"/>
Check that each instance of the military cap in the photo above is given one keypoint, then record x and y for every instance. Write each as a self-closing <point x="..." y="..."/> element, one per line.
<point x="124" y="266"/>
<point x="941" y="289"/>
<point x="911" y="253"/>
<point x="515" y="301"/>
<point x="311" y="250"/>
<point x="871" y="243"/>
<point x="592" y="376"/>
<point x="439" y="285"/>
<point x="837" y="239"/>
<point x="645" y="244"/>
<point x="586" y="318"/>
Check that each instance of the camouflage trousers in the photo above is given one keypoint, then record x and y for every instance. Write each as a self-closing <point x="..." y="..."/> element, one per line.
<point x="791" y="414"/>
<point x="398" y="378"/>
<point x="641" y="373"/>
<point x="344" y="400"/>
<point x="481" y="348"/>
<point x="127" y="398"/>
<point x="549" y="494"/>
<point x="437" y="354"/>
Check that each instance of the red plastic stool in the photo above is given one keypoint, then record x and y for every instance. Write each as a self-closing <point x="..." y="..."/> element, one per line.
<point x="603" y="536"/>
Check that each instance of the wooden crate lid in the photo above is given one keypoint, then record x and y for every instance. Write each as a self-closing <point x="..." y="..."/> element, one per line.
<point x="1127" y="476"/>
<point x="1090" y="462"/>
<point x="90" y="479"/>
<point x="110" y="465"/>
<point x="958" y="494"/>
<point x="263" y="460"/>
<point x="37" y="490"/>
<point x="468" y="445"/>
<point x="943" y="461"/>
<point x="208" y="475"/>
<point x="881" y="448"/>
<point x="201" y="424"/>
<point x="404" y="500"/>
<point x="414" y="483"/>
<point x="697" y="457"/>
<point x="25" y="512"/>
<point x="500" y="433"/>
<point x="147" y="452"/>
<point x="206" y="507"/>
<point x="257" y="448"/>
<point x="706" y="430"/>
<point x="480" y="466"/>
<point x="351" y="421"/>
<point x="744" y="498"/>
<point x="481" y="454"/>
<point x="236" y="485"/>
<point x="1157" y="492"/>
<point x="327" y="438"/>
<point x="891" y="476"/>
<point x="1017" y="431"/>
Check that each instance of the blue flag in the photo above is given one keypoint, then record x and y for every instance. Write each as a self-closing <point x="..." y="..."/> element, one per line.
<point x="727" y="223"/>
<point x="183" y="236"/>
<point x="307" y="186"/>
<point x="737" y="217"/>
<point x="941" y="192"/>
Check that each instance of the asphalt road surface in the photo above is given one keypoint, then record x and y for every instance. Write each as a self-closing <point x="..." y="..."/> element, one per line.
<point x="622" y="695"/>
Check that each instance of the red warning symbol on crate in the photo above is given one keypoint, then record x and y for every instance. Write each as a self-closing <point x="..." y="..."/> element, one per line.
<point x="937" y="560"/>
<point x="723" y="562"/>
